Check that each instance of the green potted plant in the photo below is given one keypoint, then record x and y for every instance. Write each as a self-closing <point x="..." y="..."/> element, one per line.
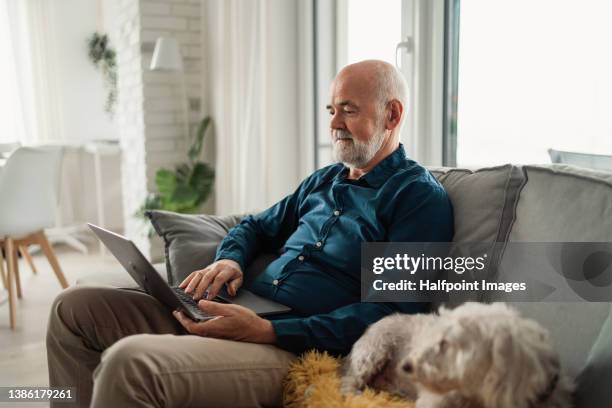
<point x="187" y="187"/>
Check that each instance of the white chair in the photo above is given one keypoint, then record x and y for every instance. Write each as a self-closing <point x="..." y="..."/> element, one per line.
<point x="6" y="149"/>
<point x="29" y="190"/>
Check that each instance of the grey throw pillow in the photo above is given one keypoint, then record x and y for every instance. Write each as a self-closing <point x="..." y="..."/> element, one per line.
<point x="190" y="240"/>
<point x="594" y="389"/>
<point x="482" y="200"/>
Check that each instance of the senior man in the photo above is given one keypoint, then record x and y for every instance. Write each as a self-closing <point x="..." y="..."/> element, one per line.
<point x="121" y="347"/>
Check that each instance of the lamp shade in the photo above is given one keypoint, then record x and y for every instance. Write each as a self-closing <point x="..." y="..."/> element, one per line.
<point x="167" y="55"/>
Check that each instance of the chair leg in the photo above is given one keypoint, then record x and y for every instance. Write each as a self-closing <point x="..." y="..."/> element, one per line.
<point x="16" y="269"/>
<point x="10" y="255"/>
<point x="2" y="266"/>
<point x="48" y="251"/>
<point x="26" y="254"/>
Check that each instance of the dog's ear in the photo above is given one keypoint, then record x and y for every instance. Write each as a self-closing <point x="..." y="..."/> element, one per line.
<point x="516" y="371"/>
<point x="506" y="370"/>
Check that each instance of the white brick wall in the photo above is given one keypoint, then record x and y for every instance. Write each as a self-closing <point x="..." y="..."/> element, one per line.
<point x="151" y="108"/>
<point x="130" y="119"/>
<point x="186" y="11"/>
<point x="153" y="9"/>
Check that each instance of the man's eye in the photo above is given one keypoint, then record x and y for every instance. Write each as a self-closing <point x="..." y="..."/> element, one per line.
<point x="349" y="111"/>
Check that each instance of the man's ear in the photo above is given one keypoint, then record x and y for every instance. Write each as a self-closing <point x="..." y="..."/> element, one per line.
<point x="393" y="114"/>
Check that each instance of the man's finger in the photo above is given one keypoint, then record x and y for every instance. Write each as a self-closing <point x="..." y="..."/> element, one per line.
<point x="209" y="276"/>
<point x="216" y="308"/>
<point x="186" y="281"/>
<point x="195" y="282"/>
<point x="234" y="285"/>
<point x="216" y="285"/>
<point x="185" y="321"/>
<point x="230" y="289"/>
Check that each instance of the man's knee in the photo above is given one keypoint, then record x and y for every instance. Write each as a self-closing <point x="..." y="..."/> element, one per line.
<point x="128" y="361"/>
<point x="70" y="303"/>
<point x="64" y="306"/>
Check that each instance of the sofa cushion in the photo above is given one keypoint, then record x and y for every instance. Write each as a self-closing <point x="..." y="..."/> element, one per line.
<point x="190" y="240"/>
<point x="561" y="203"/>
<point x="481" y="200"/>
<point x="594" y="389"/>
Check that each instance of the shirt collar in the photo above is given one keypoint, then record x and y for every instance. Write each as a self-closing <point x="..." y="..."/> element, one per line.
<point x="383" y="170"/>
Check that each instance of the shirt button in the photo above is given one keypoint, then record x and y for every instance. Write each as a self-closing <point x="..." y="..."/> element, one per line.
<point x="337" y="213"/>
<point x="275" y="282"/>
<point x="301" y="258"/>
<point x="318" y="244"/>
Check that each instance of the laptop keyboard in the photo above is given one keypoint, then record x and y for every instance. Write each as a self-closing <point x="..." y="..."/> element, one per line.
<point x="190" y="304"/>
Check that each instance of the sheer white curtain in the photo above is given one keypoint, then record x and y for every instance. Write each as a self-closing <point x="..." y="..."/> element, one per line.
<point x="12" y="119"/>
<point x="252" y="95"/>
<point x="29" y="103"/>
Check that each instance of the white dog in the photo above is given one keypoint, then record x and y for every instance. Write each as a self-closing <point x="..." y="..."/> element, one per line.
<point x="477" y="355"/>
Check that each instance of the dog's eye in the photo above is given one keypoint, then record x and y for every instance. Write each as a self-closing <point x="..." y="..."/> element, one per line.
<point x="442" y="345"/>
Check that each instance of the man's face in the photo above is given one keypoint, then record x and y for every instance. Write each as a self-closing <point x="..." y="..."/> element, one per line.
<point x="357" y="120"/>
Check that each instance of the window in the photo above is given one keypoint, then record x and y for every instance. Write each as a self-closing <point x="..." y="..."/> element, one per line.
<point x="532" y="75"/>
<point x="373" y="28"/>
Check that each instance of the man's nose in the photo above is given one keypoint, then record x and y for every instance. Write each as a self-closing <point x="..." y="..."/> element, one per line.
<point x="336" y="122"/>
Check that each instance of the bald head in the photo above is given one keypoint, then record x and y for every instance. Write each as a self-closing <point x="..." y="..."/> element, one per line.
<point x="367" y="110"/>
<point x="383" y="80"/>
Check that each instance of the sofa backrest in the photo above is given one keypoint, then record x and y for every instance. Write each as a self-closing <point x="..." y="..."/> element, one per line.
<point x="562" y="203"/>
<point x="544" y="203"/>
<point x="480" y="200"/>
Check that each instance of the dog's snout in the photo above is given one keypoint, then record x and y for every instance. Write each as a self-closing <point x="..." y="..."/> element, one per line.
<point x="407" y="367"/>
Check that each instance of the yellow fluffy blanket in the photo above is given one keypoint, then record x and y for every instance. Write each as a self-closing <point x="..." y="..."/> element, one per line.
<point x="313" y="382"/>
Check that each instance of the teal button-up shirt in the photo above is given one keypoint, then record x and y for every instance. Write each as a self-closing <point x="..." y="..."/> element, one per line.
<point x="318" y="230"/>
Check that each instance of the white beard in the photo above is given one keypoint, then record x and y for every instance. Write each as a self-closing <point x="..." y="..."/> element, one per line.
<point x="353" y="153"/>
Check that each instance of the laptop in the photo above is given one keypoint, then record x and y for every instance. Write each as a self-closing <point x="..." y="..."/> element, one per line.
<point x="145" y="275"/>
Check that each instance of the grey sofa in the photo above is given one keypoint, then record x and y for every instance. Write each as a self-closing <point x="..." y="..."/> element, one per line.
<point x="549" y="203"/>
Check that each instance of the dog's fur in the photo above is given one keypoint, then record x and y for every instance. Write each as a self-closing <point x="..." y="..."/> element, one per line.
<point x="477" y="355"/>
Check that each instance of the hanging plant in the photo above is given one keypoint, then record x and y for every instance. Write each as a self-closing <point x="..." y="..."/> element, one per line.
<point x="103" y="56"/>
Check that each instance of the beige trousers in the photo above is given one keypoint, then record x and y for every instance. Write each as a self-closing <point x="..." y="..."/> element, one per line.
<point x="122" y="348"/>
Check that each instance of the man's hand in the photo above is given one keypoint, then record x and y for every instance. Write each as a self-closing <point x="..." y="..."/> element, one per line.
<point x="233" y="322"/>
<point x="215" y="275"/>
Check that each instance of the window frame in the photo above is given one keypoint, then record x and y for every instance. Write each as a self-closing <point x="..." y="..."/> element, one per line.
<point x="452" y="10"/>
